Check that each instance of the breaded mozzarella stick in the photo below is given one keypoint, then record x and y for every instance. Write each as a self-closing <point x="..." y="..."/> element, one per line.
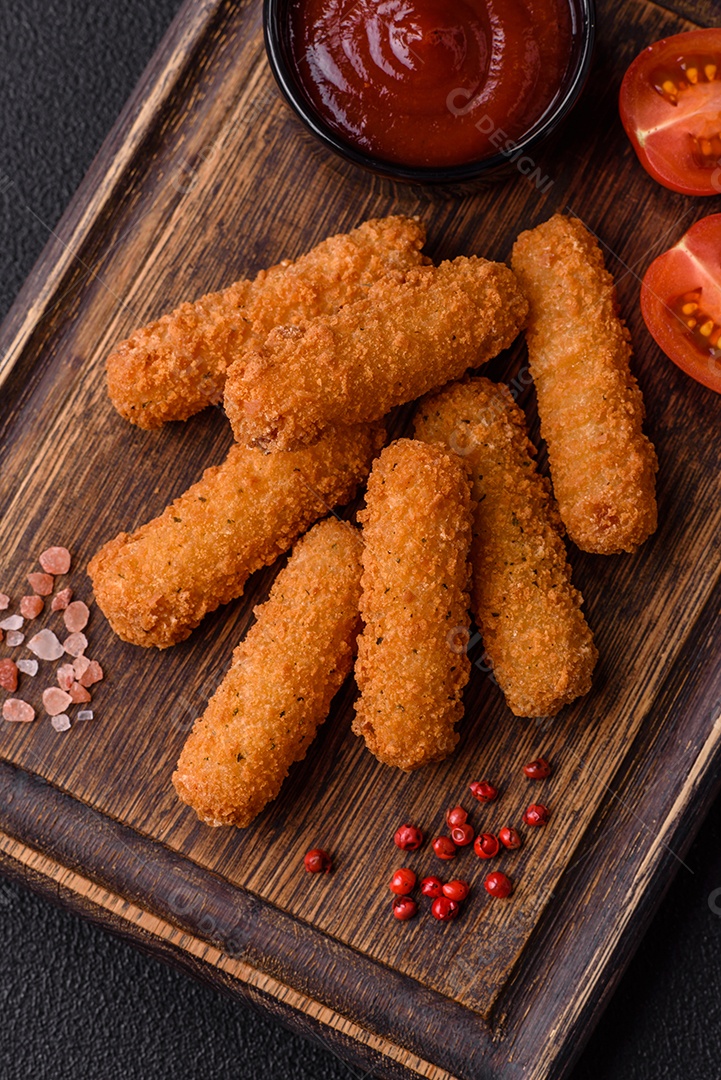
<point x="591" y="409"/>
<point x="416" y="532"/>
<point x="265" y="713"/>
<point x="176" y="365"/>
<point x="156" y="584"/>
<point x="526" y="608"/>
<point x="412" y="334"/>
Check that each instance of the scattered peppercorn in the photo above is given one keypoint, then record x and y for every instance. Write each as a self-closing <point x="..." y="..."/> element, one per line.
<point x="498" y="884"/>
<point x="403" y="882"/>
<point x="456" y="890"/>
<point x="445" y="909"/>
<point x="444" y="847"/>
<point x="461" y="835"/>
<point x="432" y="887"/>
<point x="483" y="791"/>
<point x="317" y="861"/>
<point x="456" y="816"/>
<point x="447" y="897"/>
<point x="486" y="845"/>
<point x="536" y="815"/>
<point x="404" y="908"/>
<point x="408" y="838"/>
<point x="538" y="769"/>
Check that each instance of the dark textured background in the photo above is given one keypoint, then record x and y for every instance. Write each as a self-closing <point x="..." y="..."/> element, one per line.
<point x="76" y="1003"/>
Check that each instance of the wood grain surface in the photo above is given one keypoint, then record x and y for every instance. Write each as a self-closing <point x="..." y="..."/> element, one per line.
<point x="207" y="178"/>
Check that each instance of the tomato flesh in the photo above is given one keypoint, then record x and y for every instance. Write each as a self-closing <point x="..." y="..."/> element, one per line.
<point x="681" y="302"/>
<point x="670" y="104"/>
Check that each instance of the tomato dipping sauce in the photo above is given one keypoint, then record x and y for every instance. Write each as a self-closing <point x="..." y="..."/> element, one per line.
<point x="431" y="82"/>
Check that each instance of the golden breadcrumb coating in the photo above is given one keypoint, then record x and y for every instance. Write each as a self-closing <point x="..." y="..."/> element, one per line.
<point x="534" y="633"/>
<point x="602" y="465"/>
<point x="156" y="584"/>
<point x="175" y="366"/>
<point x="411" y="334"/>
<point x="417" y="532"/>
<point x="265" y="713"/>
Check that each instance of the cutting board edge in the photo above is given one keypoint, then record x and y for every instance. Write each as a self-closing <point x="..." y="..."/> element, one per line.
<point x="157" y="937"/>
<point x="51" y="824"/>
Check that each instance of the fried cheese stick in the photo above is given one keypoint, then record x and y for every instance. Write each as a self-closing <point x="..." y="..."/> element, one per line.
<point x="591" y="409"/>
<point x="411" y="334"/>
<point x="156" y="584"/>
<point x="524" y="604"/>
<point x="265" y="713"/>
<point x="176" y="365"/>
<point x="414" y="603"/>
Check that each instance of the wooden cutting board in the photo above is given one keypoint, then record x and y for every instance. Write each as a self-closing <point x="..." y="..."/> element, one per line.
<point x="207" y="177"/>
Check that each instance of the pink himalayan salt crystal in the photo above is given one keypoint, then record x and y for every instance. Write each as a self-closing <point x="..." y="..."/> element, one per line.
<point x="31" y="606"/>
<point x="61" y="722"/>
<point x="13" y="622"/>
<point x="46" y="646"/>
<point x="76" y="616"/>
<point x="4" y="601"/>
<point x="79" y="694"/>
<point x="2" y="634"/>
<point x="28" y="667"/>
<point x="42" y="584"/>
<point x="61" y="599"/>
<point x="75" y="644"/>
<point x="80" y="666"/>
<point x="55" y="700"/>
<point x="66" y="677"/>
<point x="55" y="560"/>
<point x="8" y="675"/>
<point x="18" y="711"/>
<point x="86" y="714"/>
<point x="93" y="674"/>
<point x="14" y="638"/>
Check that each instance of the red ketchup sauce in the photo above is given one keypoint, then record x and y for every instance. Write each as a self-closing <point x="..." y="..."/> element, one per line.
<point x="431" y="82"/>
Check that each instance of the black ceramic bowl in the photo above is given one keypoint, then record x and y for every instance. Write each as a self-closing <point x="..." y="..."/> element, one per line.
<point x="276" y="25"/>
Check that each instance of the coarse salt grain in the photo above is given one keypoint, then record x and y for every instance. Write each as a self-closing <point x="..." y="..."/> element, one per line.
<point x="8" y="675"/>
<point x="13" y="622"/>
<point x="75" y="644"/>
<point x="61" y="600"/>
<point x="46" y="646"/>
<point x="42" y="584"/>
<point x="80" y="666"/>
<point x="55" y="700"/>
<point x="14" y="638"/>
<point x="61" y="722"/>
<point x="66" y="676"/>
<point x="18" y="711"/>
<point x="76" y="616"/>
<point x="79" y="694"/>
<point x="28" y="667"/>
<point x="4" y="601"/>
<point x="85" y="714"/>
<point x="55" y="560"/>
<point x="31" y="606"/>
<point x="93" y="674"/>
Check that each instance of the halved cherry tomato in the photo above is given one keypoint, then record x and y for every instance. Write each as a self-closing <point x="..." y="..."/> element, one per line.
<point x="681" y="302"/>
<point x="670" y="104"/>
